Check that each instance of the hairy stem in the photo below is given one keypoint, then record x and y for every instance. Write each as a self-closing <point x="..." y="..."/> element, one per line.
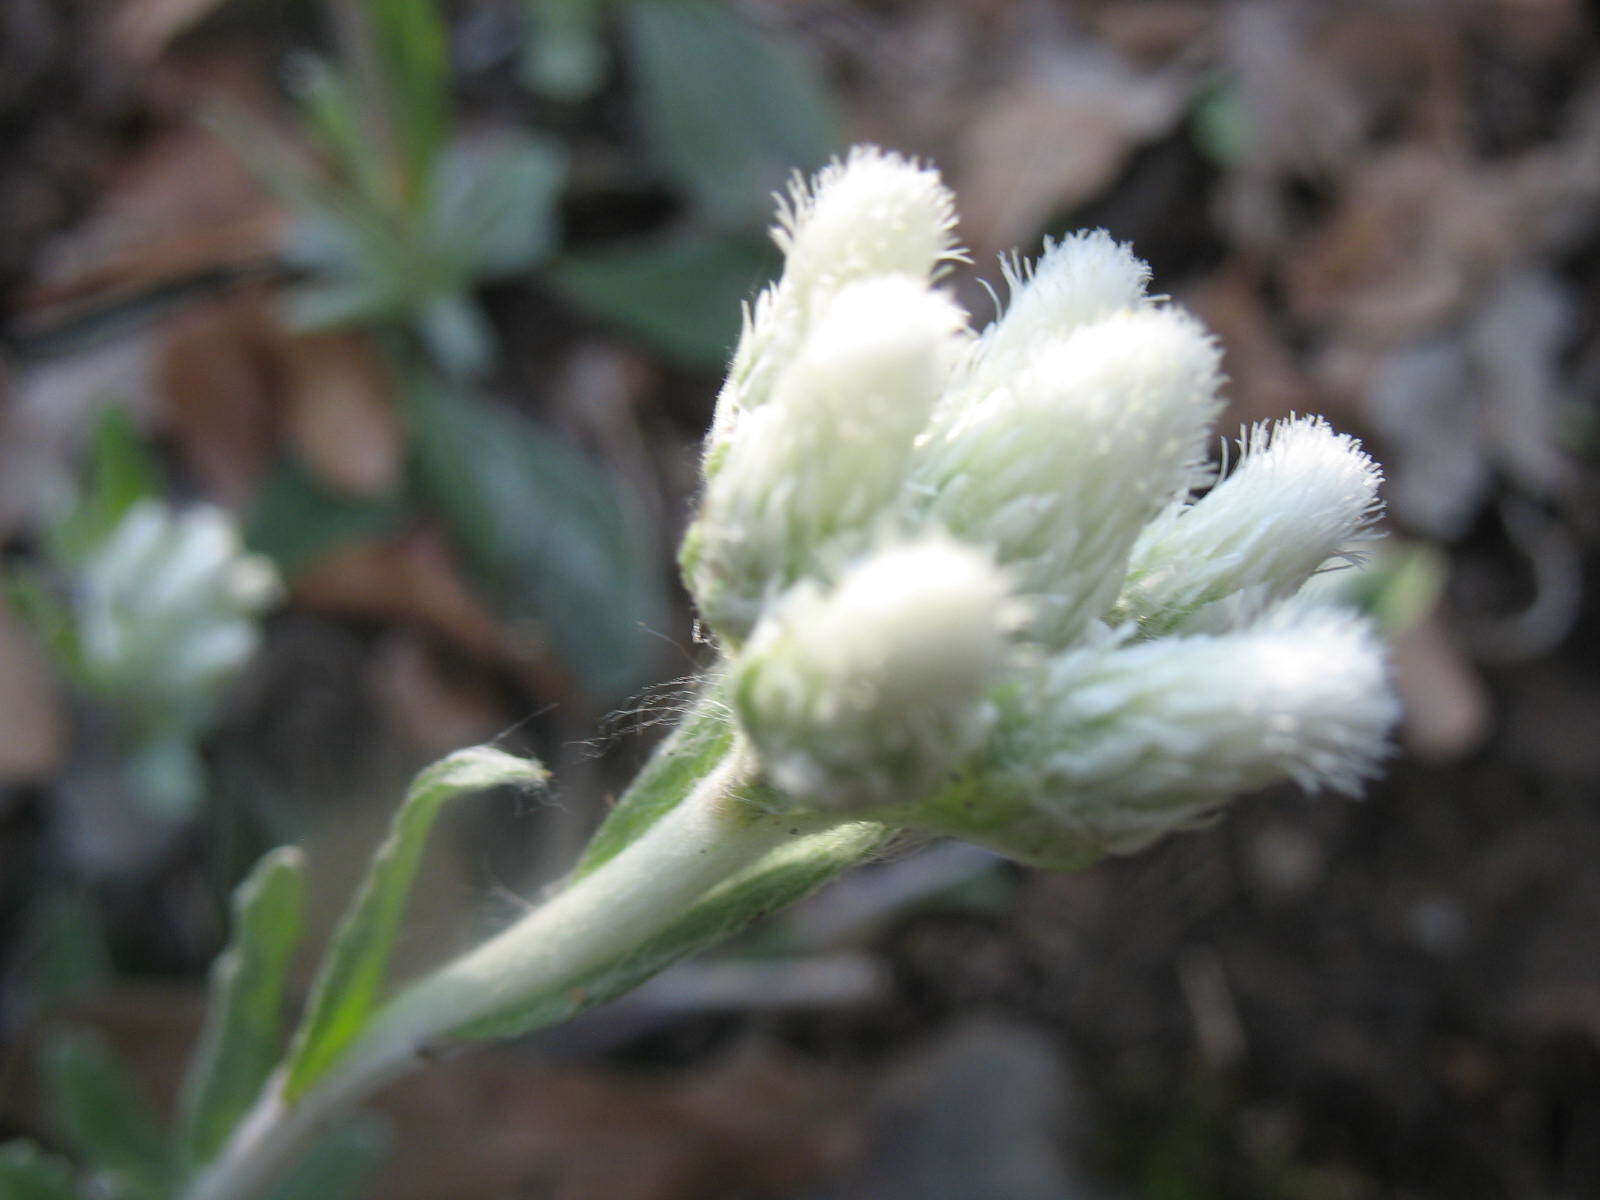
<point x="708" y="838"/>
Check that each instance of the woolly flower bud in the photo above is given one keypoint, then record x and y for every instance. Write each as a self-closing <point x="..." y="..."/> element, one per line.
<point x="874" y="213"/>
<point x="868" y="694"/>
<point x="1060" y="468"/>
<point x="1299" y="497"/>
<point x="807" y="478"/>
<point x="168" y="606"/>
<point x="1085" y="277"/>
<point x="1109" y="746"/>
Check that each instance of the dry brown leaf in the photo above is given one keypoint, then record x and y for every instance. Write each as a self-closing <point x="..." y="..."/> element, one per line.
<point x="339" y="417"/>
<point x="1054" y="138"/>
<point x="1445" y="701"/>
<point x="758" y="1123"/>
<point x="142" y="29"/>
<point x="435" y="709"/>
<point x="1154" y="31"/>
<point x="182" y="205"/>
<point x="220" y="375"/>
<point x="1264" y="380"/>
<point x="413" y="578"/>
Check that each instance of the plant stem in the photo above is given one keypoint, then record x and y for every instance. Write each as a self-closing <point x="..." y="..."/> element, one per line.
<point x="707" y="838"/>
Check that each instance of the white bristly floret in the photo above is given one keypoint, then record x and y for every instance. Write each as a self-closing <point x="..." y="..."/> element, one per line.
<point x="867" y="694"/>
<point x="1300" y="496"/>
<point x="873" y="213"/>
<point x="808" y="476"/>
<point x="1085" y="277"/>
<point x="1059" y="468"/>
<point x="1119" y="744"/>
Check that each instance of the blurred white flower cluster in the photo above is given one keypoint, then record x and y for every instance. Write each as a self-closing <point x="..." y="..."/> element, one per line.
<point x="166" y="613"/>
<point x="963" y="579"/>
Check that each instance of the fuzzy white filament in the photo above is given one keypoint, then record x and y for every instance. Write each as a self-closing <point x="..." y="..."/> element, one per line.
<point x="808" y="476"/>
<point x="866" y="694"/>
<point x="1300" y="496"/>
<point x="1058" y="468"/>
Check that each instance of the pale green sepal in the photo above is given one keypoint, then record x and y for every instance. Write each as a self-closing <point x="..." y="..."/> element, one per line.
<point x="348" y="985"/>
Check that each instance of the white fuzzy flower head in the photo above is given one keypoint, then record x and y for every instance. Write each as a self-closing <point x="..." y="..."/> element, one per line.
<point x="808" y="477"/>
<point x="1109" y="746"/>
<point x="1059" y="467"/>
<point x="1301" y="495"/>
<point x="959" y="579"/>
<point x="866" y="695"/>
<point x="1083" y="278"/>
<point x="168" y="606"/>
<point x="874" y="213"/>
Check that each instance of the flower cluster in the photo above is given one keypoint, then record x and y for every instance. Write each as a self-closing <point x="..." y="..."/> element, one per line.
<point x="168" y="607"/>
<point x="962" y="578"/>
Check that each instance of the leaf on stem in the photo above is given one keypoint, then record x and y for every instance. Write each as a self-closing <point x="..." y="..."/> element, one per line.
<point x="242" y="1038"/>
<point x="352" y="975"/>
<point x="412" y="45"/>
<point x="686" y="756"/>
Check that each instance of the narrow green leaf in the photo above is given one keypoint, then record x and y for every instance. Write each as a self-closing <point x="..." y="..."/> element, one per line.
<point x="731" y="112"/>
<point x="334" y="118"/>
<point x="102" y="1114"/>
<point x="121" y="472"/>
<point x="543" y="530"/>
<point x="686" y="756"/>
<point x="352" y="976"/>
<point x="242" y="1038"/>
<point x="780" y="878"/>
<point x="337" y="1166"/>
<point x="27" y="1173"/>
<point x="682" y="297"/>
<point x="412" y="45"/>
